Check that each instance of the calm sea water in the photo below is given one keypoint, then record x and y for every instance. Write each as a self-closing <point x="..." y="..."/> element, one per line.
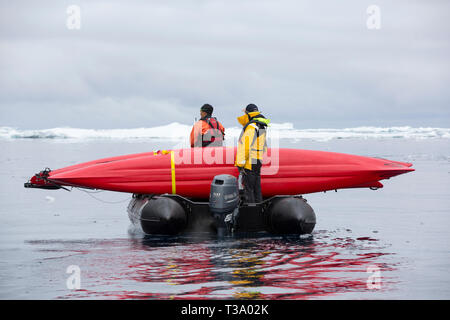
<point x="392" y="243"/>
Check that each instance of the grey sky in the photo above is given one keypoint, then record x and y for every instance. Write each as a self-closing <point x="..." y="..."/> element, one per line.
<point x="147" y="63"/>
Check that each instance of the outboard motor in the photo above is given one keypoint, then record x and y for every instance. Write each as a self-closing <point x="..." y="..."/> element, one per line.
<point x="224" y="202"/>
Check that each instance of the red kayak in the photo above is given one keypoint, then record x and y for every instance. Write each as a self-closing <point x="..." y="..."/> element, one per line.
<point x="189" y="172"/>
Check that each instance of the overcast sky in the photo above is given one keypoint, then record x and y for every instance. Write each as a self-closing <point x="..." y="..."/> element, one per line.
<point x="147" y="63"/>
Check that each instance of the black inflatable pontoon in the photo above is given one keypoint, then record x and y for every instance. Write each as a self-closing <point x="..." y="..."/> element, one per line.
<point x="224" y="213"/>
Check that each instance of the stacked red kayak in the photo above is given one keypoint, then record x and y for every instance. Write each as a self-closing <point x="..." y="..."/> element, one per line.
<point x="189" y="172"/>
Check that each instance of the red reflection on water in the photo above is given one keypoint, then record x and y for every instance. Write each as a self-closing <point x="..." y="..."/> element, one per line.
<point x="246" y="269"/>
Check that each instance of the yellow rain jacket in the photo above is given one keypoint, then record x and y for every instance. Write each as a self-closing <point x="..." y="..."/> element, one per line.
<point x="252" y="142"/>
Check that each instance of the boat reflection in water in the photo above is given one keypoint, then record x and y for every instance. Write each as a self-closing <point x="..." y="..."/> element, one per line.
<point x="325" y="264"/>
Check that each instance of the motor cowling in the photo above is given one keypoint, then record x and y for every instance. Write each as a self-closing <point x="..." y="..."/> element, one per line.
<point x="223" y="199"/>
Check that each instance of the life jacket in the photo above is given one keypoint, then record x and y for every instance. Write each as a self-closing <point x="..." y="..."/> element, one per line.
<point x="260" y="125"/>
<point x="250" y="152"/>
<point x="214" y="136"/>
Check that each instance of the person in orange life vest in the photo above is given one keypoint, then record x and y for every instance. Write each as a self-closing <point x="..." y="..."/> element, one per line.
<point x="250" y="150"/>
<point x="208" y="131"/>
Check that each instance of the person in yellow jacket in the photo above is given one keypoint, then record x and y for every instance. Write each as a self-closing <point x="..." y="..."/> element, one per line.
<point x="251" y="148"/>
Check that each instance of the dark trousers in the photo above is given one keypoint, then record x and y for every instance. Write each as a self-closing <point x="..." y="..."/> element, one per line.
<point x="252" y="183"/>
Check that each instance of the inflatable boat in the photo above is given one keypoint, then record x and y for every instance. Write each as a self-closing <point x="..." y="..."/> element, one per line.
<point x="197" y="190"/>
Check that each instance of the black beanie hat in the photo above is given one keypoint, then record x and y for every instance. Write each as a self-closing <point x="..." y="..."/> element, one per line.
<point x="207" y="108"/>
<point x="251" y="108"/>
